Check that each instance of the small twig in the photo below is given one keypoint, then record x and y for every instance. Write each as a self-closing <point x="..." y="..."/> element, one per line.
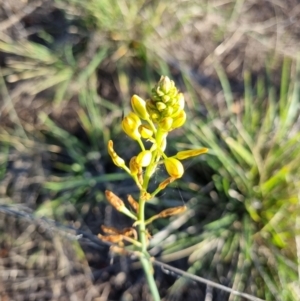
<point x="207" y="282"/>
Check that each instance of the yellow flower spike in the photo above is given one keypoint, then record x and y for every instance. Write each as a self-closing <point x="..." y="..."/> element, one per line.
<point x="145" y="131"/>
<point x="174" y="167"/>
<point x="144" y="158"/>
<point x="190" y="153"/>
<point x="139" y="107"/>
<point x="166" y="124"/>
<point x="179" y="120"/>
<point x="130" y="125"/>
<point x="118" y="161"/>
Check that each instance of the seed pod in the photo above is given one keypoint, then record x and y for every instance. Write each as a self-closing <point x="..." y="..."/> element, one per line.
<point x="165" y="183"/>
<point x="129" y="232"/>
<point x="114" y="200"/>
<point x="133" y="203"/>
<point x="118" y="161"/>
<point x="118" y="204"/>
<point x="112" y="238"/>
<point x="172" y="211"/>
<point x="133" y="166"/>
<point x="110" y="230"/>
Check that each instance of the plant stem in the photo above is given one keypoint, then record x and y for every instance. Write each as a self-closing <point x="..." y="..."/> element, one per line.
<point x="146" y="263"/>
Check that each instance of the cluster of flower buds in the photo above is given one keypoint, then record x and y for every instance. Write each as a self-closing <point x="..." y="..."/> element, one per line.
<point x="166" y="105"/>
<point x="152" y="120"/>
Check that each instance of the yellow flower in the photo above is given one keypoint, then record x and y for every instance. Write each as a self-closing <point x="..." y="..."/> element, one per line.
<point x="190" y="153"/>
<point x="130" y="125"/>
<point x="174" y="167"/>
<point x="179" y="120"/>
<point x="144" y="158"/>
<point x="139" y="107"/>
<point x="118" y="161"/>
<point x="145" y="131"/>
<point x="166" y="124"/>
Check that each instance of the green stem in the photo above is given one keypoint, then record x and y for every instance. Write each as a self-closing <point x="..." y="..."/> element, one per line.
<point x="155" y="158"/>
<point x="146" y="263"/>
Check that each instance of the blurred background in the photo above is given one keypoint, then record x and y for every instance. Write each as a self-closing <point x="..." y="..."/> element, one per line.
<point x="67" y="71"/>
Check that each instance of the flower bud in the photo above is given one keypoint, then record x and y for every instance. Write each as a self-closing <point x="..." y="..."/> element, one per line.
<point x="190" y="153"/>
<point x="160" y="106"/>
<point x="130" y="125"/>
<point x="144" y="158"/>
<point x="174" y="167"/>
<point x="145" y="131"/>
<point x="179" y="120"/>
<point x="139" y="107"/>
<point x="118" y="161"/>
<point x="165" y="84"/>
<point x="166" y="124"/>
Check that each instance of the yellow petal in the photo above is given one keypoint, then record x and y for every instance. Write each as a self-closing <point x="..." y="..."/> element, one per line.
<point x="179" y="120"/>
<point x="166" y="124"/>
<point x="174" y="167"/>
<point x="139" y="107"/>
<point x="145" y="131"/>
<point x="144" y="158"/>
<point x="190" y="153"/>
<point x="130" y="125"/>
<point x="118" y="161"/>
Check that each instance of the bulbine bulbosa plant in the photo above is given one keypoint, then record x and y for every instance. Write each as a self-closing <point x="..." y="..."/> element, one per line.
<point x="151" y="120"/>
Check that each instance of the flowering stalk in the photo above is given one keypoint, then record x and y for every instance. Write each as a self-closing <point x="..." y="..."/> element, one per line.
<point x="152" y="120"/>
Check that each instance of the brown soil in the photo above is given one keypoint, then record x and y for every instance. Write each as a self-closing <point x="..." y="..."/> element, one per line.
<point x="44" y="260"/>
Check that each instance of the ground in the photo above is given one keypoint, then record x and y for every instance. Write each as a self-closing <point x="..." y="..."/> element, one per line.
<point x="54" y="254"/>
